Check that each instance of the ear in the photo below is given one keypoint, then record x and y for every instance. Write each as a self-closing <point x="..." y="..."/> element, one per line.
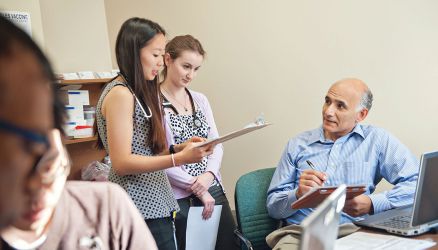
<point x="167" y="59"/>
<point x="361" y="115"/>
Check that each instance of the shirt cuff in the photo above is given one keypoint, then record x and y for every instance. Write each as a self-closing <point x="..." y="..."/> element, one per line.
<point x="380" y="202"/>
<point x="292" y="197"/>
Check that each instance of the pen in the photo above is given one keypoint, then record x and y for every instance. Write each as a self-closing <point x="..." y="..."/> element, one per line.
<point x="310" y="164"/>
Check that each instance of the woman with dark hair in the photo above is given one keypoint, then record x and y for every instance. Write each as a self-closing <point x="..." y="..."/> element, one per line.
<point x="130" y="125"/>
<point x="188" y="113"/>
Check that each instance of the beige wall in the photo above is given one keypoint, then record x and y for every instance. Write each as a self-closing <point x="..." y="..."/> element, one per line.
<point x="75" y="34"/>
<point x="276" y="57"/>
<point x="279" y="57"/>
<point x="31" y="7"/>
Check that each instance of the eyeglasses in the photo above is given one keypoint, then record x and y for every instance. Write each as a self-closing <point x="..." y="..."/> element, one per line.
<point x="26" y="134"/>
<point x="55" y="162"/>
<point x="34" y="143"/>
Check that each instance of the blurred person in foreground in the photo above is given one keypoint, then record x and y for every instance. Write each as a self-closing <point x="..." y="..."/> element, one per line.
<point x="50" y="213"/>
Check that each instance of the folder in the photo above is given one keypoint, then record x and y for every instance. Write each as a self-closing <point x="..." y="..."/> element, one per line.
<point x="234" y="134"/>
<point x="316" y="195"/>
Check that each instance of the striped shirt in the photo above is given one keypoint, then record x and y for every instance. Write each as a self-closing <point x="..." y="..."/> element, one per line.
<point x="364" y="156"/>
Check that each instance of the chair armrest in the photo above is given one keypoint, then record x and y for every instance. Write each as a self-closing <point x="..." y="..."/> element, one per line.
<point x="243" y="239"/>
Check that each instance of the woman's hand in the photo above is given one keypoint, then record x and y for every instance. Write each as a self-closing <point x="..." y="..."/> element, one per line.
<point x="192" y="154"/>
<point x="202" y="183"/>
<point x="181" y="146"/>
<point x="208" y="202"/>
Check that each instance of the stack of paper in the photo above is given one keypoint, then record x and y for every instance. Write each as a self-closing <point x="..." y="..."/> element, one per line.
<point x="370" y="241"/>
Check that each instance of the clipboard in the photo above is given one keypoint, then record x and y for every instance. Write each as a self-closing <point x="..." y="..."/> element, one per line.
<point x="233" y="134"/>
<point x="315" y="196"/>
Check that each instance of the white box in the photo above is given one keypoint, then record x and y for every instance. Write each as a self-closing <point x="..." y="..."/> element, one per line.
<point x="75" y="113"/>
<point x="83" y="131"/>
<point x="70" y="128"/>
<point x="75" y="97"/>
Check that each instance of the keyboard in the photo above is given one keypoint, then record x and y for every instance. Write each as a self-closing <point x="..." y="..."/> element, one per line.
<point x="400" y="222"/>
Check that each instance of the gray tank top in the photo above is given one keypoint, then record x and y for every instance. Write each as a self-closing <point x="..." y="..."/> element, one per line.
<point x="151" y="192"/>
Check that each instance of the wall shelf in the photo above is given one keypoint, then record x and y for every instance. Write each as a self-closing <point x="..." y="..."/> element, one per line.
<point x="82" y="150"/>
<point x="84" y="81"/>
<point x="79" y="140"/>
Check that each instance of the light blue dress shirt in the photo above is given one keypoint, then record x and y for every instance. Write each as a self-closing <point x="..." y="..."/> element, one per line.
<point x="364" y="156"/>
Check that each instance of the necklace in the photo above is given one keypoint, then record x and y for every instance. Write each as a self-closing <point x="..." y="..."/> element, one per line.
<point x="174" y="98"/>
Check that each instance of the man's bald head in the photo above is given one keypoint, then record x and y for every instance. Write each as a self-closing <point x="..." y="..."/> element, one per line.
<point x="359" y="88"/>
<point x="347" y="103"/>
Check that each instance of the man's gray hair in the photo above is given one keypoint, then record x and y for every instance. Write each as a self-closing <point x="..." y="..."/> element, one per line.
<point x="366" y="101"/>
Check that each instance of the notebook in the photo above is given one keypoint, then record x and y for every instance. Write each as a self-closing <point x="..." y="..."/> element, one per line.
<point x="317" y="194"/>
<point x="320" y="228"/>
<point x="419" y="217"/>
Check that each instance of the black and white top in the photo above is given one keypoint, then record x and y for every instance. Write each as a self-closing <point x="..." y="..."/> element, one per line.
<point x="151" y="192"/>
<point x="183" y="128"/>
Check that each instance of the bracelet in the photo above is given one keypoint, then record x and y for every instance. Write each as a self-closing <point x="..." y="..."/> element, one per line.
<point x="173" y="160"/>
<point x="172" y="149"/>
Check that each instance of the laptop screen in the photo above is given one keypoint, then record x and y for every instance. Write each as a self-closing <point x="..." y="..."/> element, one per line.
<point x="426" y="200"/>
<point x="320" y="228"/>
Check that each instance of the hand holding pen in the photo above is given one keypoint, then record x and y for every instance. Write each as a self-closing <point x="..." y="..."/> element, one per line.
<point x="310" y="178"/>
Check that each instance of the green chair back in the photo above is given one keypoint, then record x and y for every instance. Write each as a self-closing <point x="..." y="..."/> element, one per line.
<point x="250" y="199"/>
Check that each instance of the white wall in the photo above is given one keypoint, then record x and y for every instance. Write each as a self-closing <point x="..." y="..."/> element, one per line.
<point x="279" y="57"/>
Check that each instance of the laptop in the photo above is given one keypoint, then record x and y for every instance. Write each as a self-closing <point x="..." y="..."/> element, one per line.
<point x="320" y="228"/>
<point x="419" y="217"/>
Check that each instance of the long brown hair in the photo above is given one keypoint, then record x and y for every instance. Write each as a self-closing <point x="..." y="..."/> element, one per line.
<point x="135" y="34"/>
<point x="180" y="44"/>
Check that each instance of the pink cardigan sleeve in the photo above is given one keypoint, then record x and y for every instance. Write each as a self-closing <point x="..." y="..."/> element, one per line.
<point x="215" y="159"/>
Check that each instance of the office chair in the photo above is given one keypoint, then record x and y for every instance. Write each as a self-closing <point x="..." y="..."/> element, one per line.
<point x="253" y="221"/>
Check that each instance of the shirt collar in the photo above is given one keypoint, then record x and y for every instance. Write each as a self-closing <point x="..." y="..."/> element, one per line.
<point x="317" y="135"/>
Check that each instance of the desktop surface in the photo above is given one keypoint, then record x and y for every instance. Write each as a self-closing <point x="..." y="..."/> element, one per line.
<point x="433" y="236"/>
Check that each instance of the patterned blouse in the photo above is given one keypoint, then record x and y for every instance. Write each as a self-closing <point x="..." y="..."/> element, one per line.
<point x="183" y="128"/>
<point x="151" y="192"/>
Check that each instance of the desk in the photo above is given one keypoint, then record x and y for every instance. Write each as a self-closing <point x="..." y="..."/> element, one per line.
<point x="432" y="236"/>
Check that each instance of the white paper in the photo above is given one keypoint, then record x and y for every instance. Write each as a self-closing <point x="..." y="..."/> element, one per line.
<point x="370" y="241"/>
<point x="86" y="75"/>
<point x="70" y="76"/>
<point x="21" y="19"/>
<point x="104" y="74"/>
<point x="232" y="135"/>
<point x="201" y="234"/>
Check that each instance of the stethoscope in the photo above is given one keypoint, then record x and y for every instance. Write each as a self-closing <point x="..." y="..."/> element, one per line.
<point x="167" y="104"/>
<point x="136" y="99"/>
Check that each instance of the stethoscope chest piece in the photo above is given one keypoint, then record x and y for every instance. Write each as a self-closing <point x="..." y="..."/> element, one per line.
<point x="196" y="121"/>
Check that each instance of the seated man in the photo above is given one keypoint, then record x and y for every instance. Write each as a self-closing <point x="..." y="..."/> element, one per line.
<point x="344" y="151"/>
